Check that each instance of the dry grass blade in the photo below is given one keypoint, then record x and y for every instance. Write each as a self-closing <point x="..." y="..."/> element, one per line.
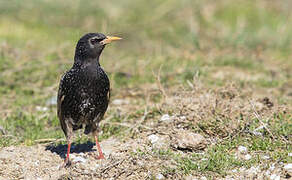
<point x="2" y="130"/>
<point x="138" y="124"/>
<point x="111" y="166"/>
<point x="158" y="81"/>
<point x="259" y="118"/>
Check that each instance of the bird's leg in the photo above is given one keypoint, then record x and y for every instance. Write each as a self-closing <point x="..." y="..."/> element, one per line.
<point x="98" y="147"/>
<point x="67" y="160"/>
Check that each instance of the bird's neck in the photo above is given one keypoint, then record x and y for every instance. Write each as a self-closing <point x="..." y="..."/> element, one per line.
<point x="83" y="63"/>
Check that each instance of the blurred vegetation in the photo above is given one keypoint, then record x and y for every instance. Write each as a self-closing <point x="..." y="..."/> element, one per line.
<point x="244" y="42"/>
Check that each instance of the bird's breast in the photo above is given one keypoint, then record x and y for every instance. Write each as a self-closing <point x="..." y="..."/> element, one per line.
<point x="86" y="94"/>
<point x="93" y="92"/>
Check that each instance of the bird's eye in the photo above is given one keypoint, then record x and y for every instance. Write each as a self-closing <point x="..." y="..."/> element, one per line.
<point x="94" y="40"/>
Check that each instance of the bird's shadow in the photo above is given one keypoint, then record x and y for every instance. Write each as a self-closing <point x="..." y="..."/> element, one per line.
<point x="61" y="149"/>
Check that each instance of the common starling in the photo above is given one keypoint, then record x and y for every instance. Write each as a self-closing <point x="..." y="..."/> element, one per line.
<point x="84" y="90"/>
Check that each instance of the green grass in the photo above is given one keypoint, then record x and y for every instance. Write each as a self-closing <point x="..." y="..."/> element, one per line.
<point x="221" y="158"/>
<point x="190" y="41"/>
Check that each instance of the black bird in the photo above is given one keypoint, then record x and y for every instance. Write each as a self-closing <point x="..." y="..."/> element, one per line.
<point x="84" y="90"/>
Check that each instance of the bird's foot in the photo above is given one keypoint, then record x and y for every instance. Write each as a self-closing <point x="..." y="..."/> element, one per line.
<point x="100" y="157"/>
<point x="66" y="164"/>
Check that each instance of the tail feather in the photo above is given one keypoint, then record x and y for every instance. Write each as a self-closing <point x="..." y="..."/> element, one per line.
<point x="87" y="129"/>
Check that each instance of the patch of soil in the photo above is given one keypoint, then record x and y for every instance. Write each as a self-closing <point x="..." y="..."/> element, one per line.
<point x="215" y="113"/>
<point x="45" y="161"/>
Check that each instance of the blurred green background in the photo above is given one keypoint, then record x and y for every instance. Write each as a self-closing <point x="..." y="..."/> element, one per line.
<point x="245" y="42"/>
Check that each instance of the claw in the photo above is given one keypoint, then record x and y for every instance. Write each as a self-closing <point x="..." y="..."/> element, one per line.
<point x="100" y="157"/>
<point x="66" y="164"/>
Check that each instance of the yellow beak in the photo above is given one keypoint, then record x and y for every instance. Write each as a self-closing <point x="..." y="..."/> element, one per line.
<point x="109" y="39"/>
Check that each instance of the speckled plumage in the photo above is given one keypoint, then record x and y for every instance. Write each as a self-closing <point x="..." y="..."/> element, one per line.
<point x="84" y="90"/>
<point x="83" y="97"/>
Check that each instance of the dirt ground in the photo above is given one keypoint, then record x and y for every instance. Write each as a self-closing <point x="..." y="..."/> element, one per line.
<point x="144" y="152"/>
<point x="44" y="162"/>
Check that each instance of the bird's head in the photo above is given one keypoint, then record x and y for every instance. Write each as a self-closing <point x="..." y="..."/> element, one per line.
<point x="91" y="45"/>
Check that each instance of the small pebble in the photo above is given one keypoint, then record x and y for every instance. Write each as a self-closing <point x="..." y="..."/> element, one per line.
<point x="288" y="167"/>
<point x="40" y="108"/>
<point x="267" y="173"/>
<point x="242" y="149"/>
<point x="265" y="157"/>
<point x="183" y="117"/>
<point x="153" y="138"/>
<point x="253" y="170"/>
<point x="190" y="177"/>
<point x="272" y="167"/>
<point x="165" y="118"/>
<point x="247" y="157"/>
<point x="159" y="176"/>
<point x="37" y="163"/>
<point x="184" y="139"/>
<point x="275" y="177"/>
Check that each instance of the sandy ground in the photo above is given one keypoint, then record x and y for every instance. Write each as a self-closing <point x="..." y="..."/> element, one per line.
<point x="45" y="161"/>
<point x="134" y="156"/>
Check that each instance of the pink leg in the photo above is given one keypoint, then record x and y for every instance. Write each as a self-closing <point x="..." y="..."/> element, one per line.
<point x="68" y="152"/>
<point x="67" y="162"/>
<point x="99" y="149"/>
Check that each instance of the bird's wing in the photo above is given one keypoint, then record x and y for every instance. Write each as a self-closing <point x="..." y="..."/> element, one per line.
<point x="60" y="97"/>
